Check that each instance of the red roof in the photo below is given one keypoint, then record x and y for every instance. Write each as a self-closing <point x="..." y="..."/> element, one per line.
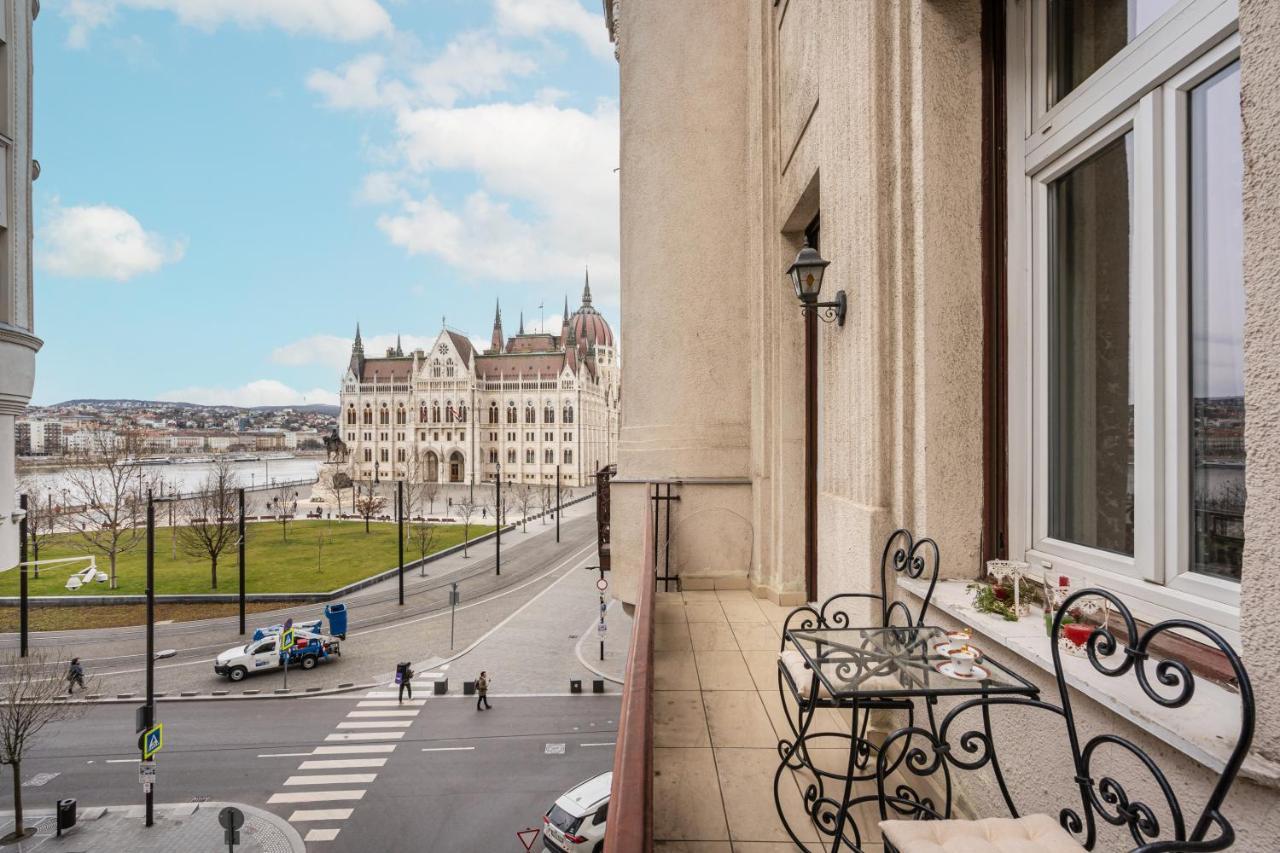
<point x="387" y="369"/>
<point x="522" y="365"/>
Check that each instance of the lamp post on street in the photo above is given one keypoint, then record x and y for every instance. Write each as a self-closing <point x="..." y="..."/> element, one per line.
<point x="240" y="496"/>
<point x="150" y="708"/>
<point x="557" y="503"/>
<point x="497" y="510"/>
<point x="400" y="533"/>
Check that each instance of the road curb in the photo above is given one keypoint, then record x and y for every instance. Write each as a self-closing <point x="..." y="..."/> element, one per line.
<point x="225" y="696"/>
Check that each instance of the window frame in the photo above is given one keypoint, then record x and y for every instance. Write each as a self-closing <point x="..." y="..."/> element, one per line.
<point x="1144" y="88"/>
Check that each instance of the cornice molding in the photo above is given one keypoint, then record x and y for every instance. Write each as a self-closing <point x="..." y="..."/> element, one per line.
<point x="612" y="22"/>
<point x="10" y="334"/>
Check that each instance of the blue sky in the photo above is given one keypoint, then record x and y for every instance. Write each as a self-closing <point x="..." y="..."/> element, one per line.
<point x="228" y="187"/>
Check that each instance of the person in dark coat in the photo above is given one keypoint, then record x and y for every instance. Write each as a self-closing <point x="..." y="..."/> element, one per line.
<point x="482" y="691"/>
<point x="75" y="675"/>
<point x="404" y="677"/>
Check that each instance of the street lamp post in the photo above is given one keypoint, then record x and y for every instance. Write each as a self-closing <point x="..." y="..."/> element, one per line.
<point x="497" y="510"/>
<point x="400" y="533"/>
<point x="240" y="495"/>
<point x="557" y="503"/>
<point x="150" y="712"/>
<point x="24" y="612"/>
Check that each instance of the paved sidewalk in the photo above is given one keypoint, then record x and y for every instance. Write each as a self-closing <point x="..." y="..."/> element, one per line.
<point x="179" y="828"/>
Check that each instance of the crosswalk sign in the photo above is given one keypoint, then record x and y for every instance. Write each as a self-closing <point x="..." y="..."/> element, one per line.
<point x="152" y="740"/>
<point x="286" y="639"/>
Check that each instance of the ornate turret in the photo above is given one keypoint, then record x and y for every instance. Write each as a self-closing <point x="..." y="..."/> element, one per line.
<point x="357" y="353"/>
<point x="587" y="324"/>
<point x="495" y="342"/>
<point x="399" y="352"/>
<point x="586" y="288"/>
<point x="521" y="332"/>
<point x="564" y="324"/>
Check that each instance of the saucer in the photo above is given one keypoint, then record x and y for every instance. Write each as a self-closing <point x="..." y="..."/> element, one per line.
<point x="947" y="648"/>
<point x="947" y="668"/>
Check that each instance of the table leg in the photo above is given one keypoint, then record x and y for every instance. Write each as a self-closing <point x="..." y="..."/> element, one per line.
<point x="795" y="757"/>
<point x="844" y="816"/>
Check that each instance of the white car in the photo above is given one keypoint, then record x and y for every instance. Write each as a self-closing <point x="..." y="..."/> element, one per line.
<point x="261" y="655"/>
<point x="576" y="822"/>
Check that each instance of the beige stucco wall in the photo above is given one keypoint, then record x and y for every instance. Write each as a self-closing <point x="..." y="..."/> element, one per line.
<point x="1260" y="588"/>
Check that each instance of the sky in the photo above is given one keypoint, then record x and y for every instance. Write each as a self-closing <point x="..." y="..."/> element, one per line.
<point x="228" y="187"/>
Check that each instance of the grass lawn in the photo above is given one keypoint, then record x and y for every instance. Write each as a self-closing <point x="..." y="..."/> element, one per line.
<point x="120" y="615"/>
<point x="318" y="556"/>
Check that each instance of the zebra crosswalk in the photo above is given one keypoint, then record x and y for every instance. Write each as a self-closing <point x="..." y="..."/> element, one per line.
<point x="327" y="775"/>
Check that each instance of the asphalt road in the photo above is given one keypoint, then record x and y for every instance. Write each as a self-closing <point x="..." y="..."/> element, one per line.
<point x="381" y="631"/>
<point x="444" y="779"/>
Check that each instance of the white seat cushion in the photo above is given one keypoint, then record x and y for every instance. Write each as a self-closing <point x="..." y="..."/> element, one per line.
<point x="1037" y="833"/>
<point x="803" y="676"/>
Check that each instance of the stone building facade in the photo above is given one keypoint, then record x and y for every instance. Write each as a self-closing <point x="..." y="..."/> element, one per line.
<point x="18" y="343"/>
<point x="527" y="406"/>
<point x="1055" y="226"/>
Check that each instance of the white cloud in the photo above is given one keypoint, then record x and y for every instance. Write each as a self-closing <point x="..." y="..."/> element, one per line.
<point x="261" y="392"/>
<point x="341" y="20"/>
<point x="101" y="241"/>
<point x="552" y="324"/>
<point x="539" y="17"/>
<point x="471" y="65"/>
<point x="381" y="188"/>
<point x="333" y="351"/>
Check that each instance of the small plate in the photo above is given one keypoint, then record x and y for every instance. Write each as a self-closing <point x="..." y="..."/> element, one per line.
<point x="980" y="672"/>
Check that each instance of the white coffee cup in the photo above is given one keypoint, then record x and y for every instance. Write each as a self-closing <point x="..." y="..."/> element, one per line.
<point x="962" y="662"/>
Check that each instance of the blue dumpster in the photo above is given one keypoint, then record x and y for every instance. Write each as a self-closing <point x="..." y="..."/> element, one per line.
<point x="337" y="615"/>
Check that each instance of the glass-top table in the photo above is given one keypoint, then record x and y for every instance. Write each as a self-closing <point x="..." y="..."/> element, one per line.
<point x="892" y="663"/>
<point x="897" y="674"/>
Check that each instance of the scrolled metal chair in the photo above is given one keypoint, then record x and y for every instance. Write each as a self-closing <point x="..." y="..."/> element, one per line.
<point x="904" y="555"/>
<point x="1168" y="683"/>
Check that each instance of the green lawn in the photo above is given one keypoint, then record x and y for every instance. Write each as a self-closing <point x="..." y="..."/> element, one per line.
<point x="345" y="554"/>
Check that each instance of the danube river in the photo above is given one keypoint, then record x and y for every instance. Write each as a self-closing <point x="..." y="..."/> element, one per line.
<point x="189" y="477"/>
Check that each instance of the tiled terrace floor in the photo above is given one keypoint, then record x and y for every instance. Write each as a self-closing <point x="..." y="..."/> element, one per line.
<point x="717" y="722"/>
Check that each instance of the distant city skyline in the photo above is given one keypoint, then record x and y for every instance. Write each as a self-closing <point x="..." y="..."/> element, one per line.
<point x="212" y="237"/>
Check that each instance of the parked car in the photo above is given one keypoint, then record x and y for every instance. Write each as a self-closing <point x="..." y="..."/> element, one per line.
<point x="575" y="824"/>
<point x="261" y="655"/>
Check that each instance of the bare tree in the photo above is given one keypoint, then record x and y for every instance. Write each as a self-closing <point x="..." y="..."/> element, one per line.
<point x="430" y="491"/>
<point x="418" y="487"/>
<point x="500" y="509"/>
<point x="42" y="518"/>
<point x="423" y="535"/>
<point x="108" y="492"/>
<point x="212" y="517"/>
<point x="368" y="502"/>
<point x="546" y="500"/>
<point x="466" y="508"/>
<point x="31" y="698"/>
<point x="334" y="483"/>
<point x="283" y="505"/>
<point x="522" y="494"/>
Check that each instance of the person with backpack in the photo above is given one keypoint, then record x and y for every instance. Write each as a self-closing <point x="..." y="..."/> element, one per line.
<point x="404" y="677"/>
<point x="482" y="691"/>
<point x="75" y="675"/>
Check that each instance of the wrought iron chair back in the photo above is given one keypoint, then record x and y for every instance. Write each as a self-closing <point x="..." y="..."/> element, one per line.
<point x="1168" y="683"/>
<point x="903" y="555"/>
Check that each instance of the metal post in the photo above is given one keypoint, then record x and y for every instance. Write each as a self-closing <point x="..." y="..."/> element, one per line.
<point x="497" y="510"/>
<point x="453" y="607"/>
<point x="24" y="610"/>
<point x="151" y="635"/>
<point x="241" y="496"/>
<point x="400" y="533"/>
<point x="557" y="503"/>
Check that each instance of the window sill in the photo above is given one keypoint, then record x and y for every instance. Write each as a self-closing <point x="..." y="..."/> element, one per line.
<point x="1197" y="730"/>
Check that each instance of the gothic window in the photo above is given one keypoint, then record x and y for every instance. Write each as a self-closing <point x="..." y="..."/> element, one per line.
<point x="386" y="455"/>
<point x="530" y="416"/>
<point x="435" y="368"/>
<point x="549" y="414"/>
<point x="368" y="414"/>
<point x="448" y="367"/>
<point x="384" y="416"/>
<point x="568" y="413"/>
<point x="568" y="457"/>
<point x="351" y="414"/>
<point x="549" y="456"/>
<point x="368" y="455"/>
<point x="512" y="417"/>
<point x="493" y="413"/>
<point x="400" y="414"/>
<point x="435" y="413"/>
<point x="528" y="456"/>
<point x="493" y="456"/>
<point x="462" y="413"/>
<point x="422" y="413"/>
<point x="448" y="411"/>
<point x="511" y="456"/>
<point x="448" y="436"/>
<point x="400" y="454"/>
<point x="462" y="435"/>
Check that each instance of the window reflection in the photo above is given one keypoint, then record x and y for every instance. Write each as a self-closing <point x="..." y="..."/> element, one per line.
<point x="1090" y="353"/>
<point x="1084" y="34"/>
<point x="1217" y="326"/>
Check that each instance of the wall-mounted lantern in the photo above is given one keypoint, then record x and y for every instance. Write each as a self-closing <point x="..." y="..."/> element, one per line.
<point x="806" y="275"/>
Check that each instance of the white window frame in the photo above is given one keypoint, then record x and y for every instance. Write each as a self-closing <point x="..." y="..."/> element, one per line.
<point x="1144" y="89"/>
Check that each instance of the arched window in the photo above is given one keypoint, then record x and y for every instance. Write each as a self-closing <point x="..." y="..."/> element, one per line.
<point x="422" y="413"/>
<point x="448" y="369"/>
<point x="368" y="414"/>
<point x="493" y="413"/>
<point x="568" y="413"/>
<point x="435" y="368"/>
<point x="528" y="456"/>
<point x="400" y="414"/>
<point x="493" y="456"/>
<point x="351" y="414"/>
<point x="549" y="456"/>
<point x="568" y="457"/>
<point x="435" y="413"/>
<point x="511" y="455"/>
<point x="462" y="413"/>
<point x="530" y="416"/>
<point x="448" y="411"/>
<point x="549" y="414"/>
<point x="368" y="455"/>
<point x="512" y="417"/>
<point x="384" y="416"/>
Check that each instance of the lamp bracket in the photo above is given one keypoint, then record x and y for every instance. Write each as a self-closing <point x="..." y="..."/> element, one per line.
<point x="829" y="312"/>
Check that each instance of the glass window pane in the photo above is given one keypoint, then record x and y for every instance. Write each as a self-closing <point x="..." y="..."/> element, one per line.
<point x="1084" y="34"/>
<point x="1217" y="326"/>
<point x="1090" y="352"/>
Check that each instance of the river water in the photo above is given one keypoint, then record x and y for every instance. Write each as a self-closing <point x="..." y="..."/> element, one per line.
<point x="191" y="477"/>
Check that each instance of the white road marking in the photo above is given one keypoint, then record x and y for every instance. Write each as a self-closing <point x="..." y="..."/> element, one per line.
<point x="314" y="796"/>
<point x="347" y="750"/>
<point x="321" y="835"/>
<point x="609" y="743"/>
<point x="388" y="703"/>
<point x="554" y="749"/>
<point x="376" y="724"/>
<point x="282" y="754"/>
<point x="342" y="764"/>
<point x="320" y="814"/>
<point x="386" y="713"/>
<point x="447" y="748"/>
<point x="123" y="760"/>
<point x="333" y="779"/>
<point x="339" y="736"/>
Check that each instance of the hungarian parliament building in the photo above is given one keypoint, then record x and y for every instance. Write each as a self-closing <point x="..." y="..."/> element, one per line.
<point x="527" y="408"/>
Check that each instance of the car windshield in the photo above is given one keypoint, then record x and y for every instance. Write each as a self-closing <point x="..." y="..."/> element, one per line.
<point x="562" y="820"/>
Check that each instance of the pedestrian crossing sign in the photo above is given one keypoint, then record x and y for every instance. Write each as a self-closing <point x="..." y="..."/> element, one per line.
<point x="153" y="741"/>
<point x="286" y="639"/>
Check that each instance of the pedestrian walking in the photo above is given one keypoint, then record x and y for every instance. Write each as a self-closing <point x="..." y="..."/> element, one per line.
<point x="404" y="677"/>
<point x="482" y="691"/>
<point x="75" y="675"/>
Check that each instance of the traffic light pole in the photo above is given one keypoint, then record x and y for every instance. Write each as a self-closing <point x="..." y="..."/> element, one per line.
<point x="151" y="639"/>
<point x="400" y="533"/>
<point x="24" y="610"/>
<point x="497" y="510"/>
<point x="241" y="495"/>
<point x="557" y="503"/>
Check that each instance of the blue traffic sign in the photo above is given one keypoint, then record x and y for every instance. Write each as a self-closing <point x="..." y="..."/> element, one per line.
<point x="153" y="740"/>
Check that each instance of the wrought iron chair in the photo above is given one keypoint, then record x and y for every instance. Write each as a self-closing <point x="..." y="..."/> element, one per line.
<point x="1169" y="684"/>
<point x="904" y="555"/>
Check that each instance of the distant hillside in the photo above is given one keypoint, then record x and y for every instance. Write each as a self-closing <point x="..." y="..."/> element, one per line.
<point x="318" y="408"/>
